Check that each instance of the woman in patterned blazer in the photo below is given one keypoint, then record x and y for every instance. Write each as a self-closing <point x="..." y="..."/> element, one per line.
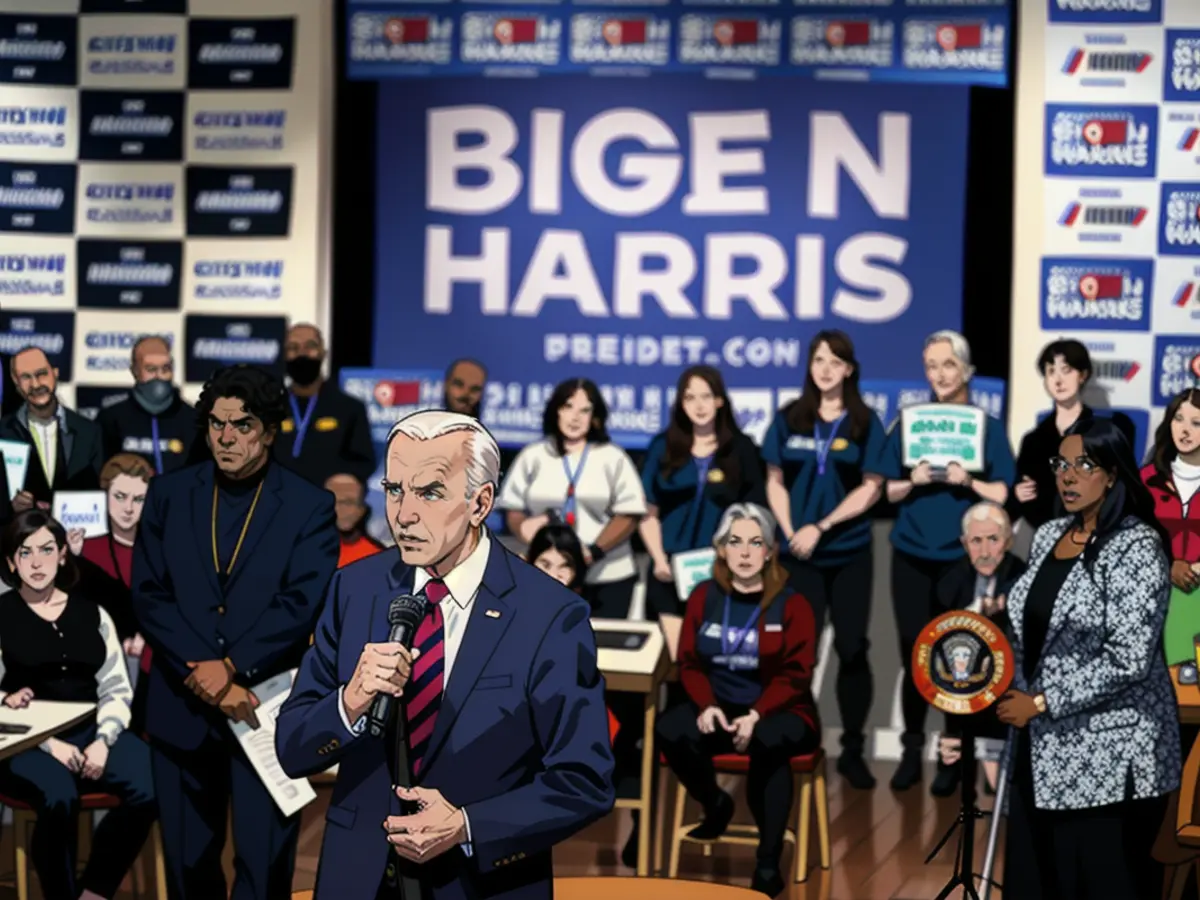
<point x="1098" y="746"/>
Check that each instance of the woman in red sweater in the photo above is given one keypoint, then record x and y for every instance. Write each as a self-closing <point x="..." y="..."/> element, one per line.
<point x="746" y="656"/>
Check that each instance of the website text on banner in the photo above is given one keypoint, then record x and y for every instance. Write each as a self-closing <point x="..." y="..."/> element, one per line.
<point x="560" y="232"/>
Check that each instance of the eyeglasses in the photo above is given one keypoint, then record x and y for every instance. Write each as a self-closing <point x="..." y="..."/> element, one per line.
<point x="1082" y="466"/>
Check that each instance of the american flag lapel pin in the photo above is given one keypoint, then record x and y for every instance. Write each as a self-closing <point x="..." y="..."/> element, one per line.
<point x="492" y="613"/>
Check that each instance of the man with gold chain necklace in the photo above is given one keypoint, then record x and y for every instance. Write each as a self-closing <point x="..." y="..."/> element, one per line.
<point x="229" y="571"/>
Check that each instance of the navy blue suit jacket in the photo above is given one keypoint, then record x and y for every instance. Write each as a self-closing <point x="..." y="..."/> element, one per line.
<point x="261" y="621"/>
<point x="521" y="741"/>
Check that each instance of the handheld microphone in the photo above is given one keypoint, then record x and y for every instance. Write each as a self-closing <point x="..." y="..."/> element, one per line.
<point x="404" y="616"/>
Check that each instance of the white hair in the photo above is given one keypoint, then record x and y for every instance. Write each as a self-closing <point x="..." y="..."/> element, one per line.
<point x="427" y="424"/>
<point x="984" y="510"/>
<point x="958" y="347"/>
<point x="738" y="511"/>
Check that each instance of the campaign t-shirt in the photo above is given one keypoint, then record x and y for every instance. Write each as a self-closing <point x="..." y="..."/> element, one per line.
<point x="814" y="495"/>
<point x="606" y="485"/>
<point x="929" y="520"/>
<point x="733" y="663"/>
<point x="691" y="499"/>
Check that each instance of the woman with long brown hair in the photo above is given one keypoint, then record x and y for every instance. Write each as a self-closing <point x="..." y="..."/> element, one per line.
<point x="693" y="471"/>
<point x="819" y="453"/>
<point x="747" y="650"/>
<point x="1173" y="477"/>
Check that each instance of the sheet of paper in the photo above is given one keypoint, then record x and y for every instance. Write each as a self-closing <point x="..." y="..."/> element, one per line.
<point x="691" y="568"/>
<point x="81" y="509"/>
<point x="16" y="464"/>
<point x="290" y="794"/>
<point x="942" y="433"/>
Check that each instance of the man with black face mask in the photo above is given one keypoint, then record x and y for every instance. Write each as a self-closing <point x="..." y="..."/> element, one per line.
<point x="153" y="421"/>
<point x="328" y="432"/>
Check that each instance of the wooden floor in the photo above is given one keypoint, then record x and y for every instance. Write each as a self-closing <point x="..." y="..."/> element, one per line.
<point x="879" y="842"/>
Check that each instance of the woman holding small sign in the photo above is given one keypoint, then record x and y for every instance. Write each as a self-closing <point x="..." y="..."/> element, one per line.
<point x="693" y="471"/>
<point x="935" y="473"/>
<point x="818" y="451"/>
<point x="747" y="650"/>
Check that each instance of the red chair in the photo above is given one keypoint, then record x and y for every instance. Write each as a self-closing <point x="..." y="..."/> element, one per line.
<point x="810" y="773"/>
<point x="23" y="822"/>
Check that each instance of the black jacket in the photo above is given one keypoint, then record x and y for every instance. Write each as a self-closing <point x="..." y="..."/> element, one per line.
<point x="956" y="590"/>
<point x="338" y="440"/>
<point x="79" y="449"/>
<point x="1033" y="460"/>
<point x="127" y="428"/>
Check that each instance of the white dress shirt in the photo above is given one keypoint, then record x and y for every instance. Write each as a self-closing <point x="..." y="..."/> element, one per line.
<point x="462" y="585"/>
<point x="45" y="435"/>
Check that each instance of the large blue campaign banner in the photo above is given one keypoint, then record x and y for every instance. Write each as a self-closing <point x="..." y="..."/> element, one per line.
<point x="942" y="41"/>
<point x="562" y="231"/>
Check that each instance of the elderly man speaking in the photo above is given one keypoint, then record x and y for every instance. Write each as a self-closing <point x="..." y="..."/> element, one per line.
<point x="503" y="705"/>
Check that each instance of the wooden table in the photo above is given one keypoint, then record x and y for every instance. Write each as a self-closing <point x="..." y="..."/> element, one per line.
<point x="647" y="889"/>
<point x="44" y="718"/>
<point x="1188" y="697"/>
<point x="637" y="671"/>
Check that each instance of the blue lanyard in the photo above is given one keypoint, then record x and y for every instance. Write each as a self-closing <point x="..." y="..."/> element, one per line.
<point x="301" y="423"/>
<point x="570" y="505"/>
<point x="728" y="648"/>
<point x="158" y="466"/>
<point x="703" y="465"/>
<point x="823" y="448"/>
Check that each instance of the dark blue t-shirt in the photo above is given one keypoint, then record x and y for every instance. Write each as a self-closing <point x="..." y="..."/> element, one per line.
<point x="689" y="515"/>
<point x="929" y="520"/>
<point x="814" y="496"/>
<point x="734" y="675"/>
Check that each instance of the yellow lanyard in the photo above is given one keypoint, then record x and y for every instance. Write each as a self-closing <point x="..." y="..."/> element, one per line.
<point x="241" y="537"/>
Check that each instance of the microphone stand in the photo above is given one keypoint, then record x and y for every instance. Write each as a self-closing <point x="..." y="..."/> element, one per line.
<point x="968" y="812"/>
<point x="1002" y="779"/>
<point x="410" y="887"/>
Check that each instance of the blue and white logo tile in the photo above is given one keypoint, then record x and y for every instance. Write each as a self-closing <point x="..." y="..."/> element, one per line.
<point x="119" y="52"/>
<point x="1107" y="12"/>
<point x="234" y="277"/>
<point x="39" y="125"/>
<point x="1177" y="294"/>
<point x="1104" y="65"/>
<point x="104" y="341"/>
<point x="1179" y="223"/>
<point x="37" y="272"/>
<point x="227" y="127"/>
<point x="1101" y="141"/>
<point x="117" y="200"/>
<point x="1086" y="217"/>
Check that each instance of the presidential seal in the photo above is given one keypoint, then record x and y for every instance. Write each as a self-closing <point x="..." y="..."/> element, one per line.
<point x="962" y="663"/>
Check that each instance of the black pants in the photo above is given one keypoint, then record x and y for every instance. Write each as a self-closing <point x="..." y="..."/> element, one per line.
<point x="38" y="779"/>
<point x="769" y="782"/>
<point x="1101" y="853"/>
<point x="845" y="593"/>
<point x="194" y="790"/>
<point x="611" y="601"/>
<point x="662" y="597"/>
<point x="914" y="601"/>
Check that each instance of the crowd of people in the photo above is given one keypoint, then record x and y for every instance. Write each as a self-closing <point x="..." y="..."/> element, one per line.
<point x="1106" y="600"/>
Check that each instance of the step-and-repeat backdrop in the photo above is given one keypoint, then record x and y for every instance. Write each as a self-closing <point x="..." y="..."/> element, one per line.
<point x="161" y="172"/>
<point x="1108" y="177"/>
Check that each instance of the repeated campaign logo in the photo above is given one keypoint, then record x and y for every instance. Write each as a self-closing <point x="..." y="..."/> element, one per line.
<point x="53" y="333"/>
<point x="1181" y="74"/>
<point x="823" y="41"/>
<point x="217" y="341"/>
<point x="1121" y="368"/>
<point x="121" y="51"/>
<point x="630" y="40"/>
<point x="1097" y="294"/>
<point x="1108" y="64"/>
<point x="32" y="276"/>
<point x="250" y="54"/>
<point x="238" y="280"/>
<point x="129" y="274"/>
<point x="34" y="130"/>
<point x="239" y="202"/>
<point x="939" y="46"/>
<point x="421" y="39"/>
<point x="1107" y="12"/>
<point x="1183" y="301"/>
<point x="715" y="40"/>
<point x="1179" y="231"/>
<point x="162" y="7"/>
<point x="39" y="199"/>
<point x="1173" y="356"/>
<point x="1103" y="216"/>
<point x="521" y="38"/>
<point x="1101" y="141"/>
<point x="221" y="130"/>
<point x="107" y="341"/>
<point x="140" y="127"/>
<point x="134" y="199"/>
<point x="39" y="49"/>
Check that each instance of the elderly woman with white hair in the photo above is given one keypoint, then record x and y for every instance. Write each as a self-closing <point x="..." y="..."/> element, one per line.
<point x="926" y="543"/>
<point x="747" y="650"/>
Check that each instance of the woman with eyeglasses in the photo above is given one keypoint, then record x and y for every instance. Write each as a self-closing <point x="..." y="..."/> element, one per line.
<point x="1098" y="748"/>
<point x="693" y="471"/>
<point x="1173" y="477"/>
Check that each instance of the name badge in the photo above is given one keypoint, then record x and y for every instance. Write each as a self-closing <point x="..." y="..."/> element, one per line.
<point x="770" y="628"/>
<point x="715" y="476"/>
<point x="326" y="423"/>
<point x="800" y="442"/>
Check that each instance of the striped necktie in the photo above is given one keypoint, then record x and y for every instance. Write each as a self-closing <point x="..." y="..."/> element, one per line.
<point x="424" y="694"/>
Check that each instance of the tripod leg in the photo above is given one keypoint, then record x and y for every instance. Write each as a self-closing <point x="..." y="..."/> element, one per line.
<point x="946" y="839"/>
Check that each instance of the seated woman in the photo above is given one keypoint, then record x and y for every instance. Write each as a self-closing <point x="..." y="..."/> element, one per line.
<point x="59" y="646"/>
<point x="746" y="655"/>
<point x="556" y="550"/>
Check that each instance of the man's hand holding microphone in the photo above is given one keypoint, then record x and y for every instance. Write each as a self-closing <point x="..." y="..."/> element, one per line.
<point x="382" y="669"/>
